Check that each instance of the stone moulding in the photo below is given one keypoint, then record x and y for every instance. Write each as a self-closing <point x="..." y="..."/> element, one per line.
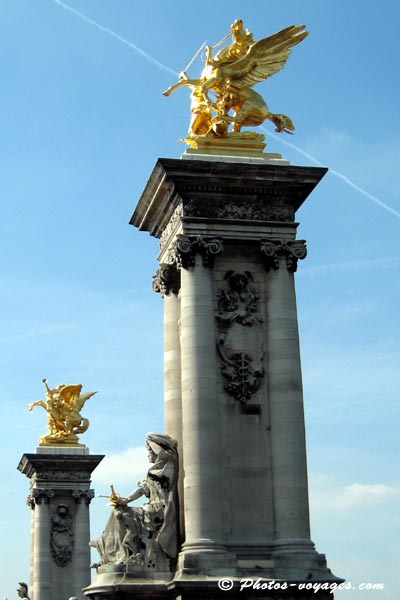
<point x="273" y="251"/>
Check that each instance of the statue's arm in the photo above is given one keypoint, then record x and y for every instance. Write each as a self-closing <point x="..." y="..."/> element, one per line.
<point x="138" y="493"/>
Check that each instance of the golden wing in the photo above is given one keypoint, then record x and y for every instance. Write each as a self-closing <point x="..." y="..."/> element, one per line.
<point x="86" y="396"/>
<point x="70" y="393"/>
<point x="265" y="57"/>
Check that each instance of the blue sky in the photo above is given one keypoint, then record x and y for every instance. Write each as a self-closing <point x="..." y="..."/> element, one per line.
<point x="82" y="123"/>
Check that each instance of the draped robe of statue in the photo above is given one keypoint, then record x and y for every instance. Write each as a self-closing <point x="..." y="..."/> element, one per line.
<point x="147" y="535"/>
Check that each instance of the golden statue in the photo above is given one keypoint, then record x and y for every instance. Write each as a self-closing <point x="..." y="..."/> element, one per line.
<point x="64" y="421"/>
<point x="230" y="75"/>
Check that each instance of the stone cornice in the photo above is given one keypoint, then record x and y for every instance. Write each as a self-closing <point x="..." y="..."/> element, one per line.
<point x="59" y="466"/>
<point x="223" y="190"/>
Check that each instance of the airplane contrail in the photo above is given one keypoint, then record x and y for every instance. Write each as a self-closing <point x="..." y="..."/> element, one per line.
<point x="337" y="174"/>
<point x="160" y="65"/>
<point x="145" y="55"/>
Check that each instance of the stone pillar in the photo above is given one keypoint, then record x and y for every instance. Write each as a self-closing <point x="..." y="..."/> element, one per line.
<point x="42" y="580"/>
<point x="243" y="436"/>
<point x="289" y="467"/>
<point x="82" y="535"/>
<point x="204" y="519"/>
<point x="172" y="368"/>
<point x="59" y="499"/>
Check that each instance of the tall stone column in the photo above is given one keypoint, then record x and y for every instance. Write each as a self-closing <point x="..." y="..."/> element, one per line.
<point x="201" y="448"/>
<point x="243" y="436"/>
<point x="166" y="281"/>
<point x="288" y="448"/>
<point x="42" y="580"/>
<point x="59" y="499"/>
<point x="82" y="535"/>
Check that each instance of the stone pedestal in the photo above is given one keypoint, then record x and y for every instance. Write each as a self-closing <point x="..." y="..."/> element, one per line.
<point x="233" y="389"/>
<point x="59" y="499"/>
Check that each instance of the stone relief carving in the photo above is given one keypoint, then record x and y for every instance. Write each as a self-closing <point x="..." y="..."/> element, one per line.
<point x="291" y="251"/>
<point x="258" y="209"/>
<point x="61" y="536"/>
<point x="238" y="301"/>
<point x="58" y="475"/>
<point x="242" y="380"/>
<point x="172" y="224"/>
<point x="167" y="280"/>
<point x="238" y="309"/>
<point x="146" y="536"/>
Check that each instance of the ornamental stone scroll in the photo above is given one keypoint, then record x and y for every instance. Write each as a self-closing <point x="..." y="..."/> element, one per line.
<point x="37" y="495"/>
<point x="85" y="495"/>
<point x="167" y="280"/>
<point x="273" y="251"/>
<point x="186" y="248"/>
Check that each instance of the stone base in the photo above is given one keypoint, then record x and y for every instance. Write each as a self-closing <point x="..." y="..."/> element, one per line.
<point x="241" y="148"/>
<point x="284" y="574"/>
<point x="124" y="586"/>
<point x="114" y="582"/>
<point x="248" y="588"/>
<point x="79" y="450"/>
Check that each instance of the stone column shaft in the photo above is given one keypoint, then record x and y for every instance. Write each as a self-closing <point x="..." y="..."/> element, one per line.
<point x="172" y="384"/>
<point x="82" y="554"/>
<point x="200" y="410"/>
<point x="172" y="368"/>
<point x="286" y="405"/>
<point x="42" y="584"/>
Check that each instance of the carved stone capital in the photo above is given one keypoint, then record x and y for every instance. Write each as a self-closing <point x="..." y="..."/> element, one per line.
<point x="37" y="495"/>
<point x="186" y="248"/>
<point x="86" y="495"/>
<point x="273" y="251"/>
<point x="167" y="280"/>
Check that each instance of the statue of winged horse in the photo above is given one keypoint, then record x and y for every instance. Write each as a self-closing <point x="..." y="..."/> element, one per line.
<point x="230" y="74"/>
<point x="63" y="405"/>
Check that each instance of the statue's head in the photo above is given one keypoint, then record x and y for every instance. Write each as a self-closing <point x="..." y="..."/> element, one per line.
<point x="62" y="510"/>
<point x="156" y="442"/>
<point x="22" y="590"/>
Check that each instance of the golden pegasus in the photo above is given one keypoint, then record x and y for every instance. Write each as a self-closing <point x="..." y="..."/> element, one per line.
<point x="230" y="75"/>
<point x="64" y="421"/>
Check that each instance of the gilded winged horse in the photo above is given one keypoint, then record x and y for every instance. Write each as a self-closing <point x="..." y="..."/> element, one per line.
<point x="63" y="405"/>
<point x="230" y="74"/>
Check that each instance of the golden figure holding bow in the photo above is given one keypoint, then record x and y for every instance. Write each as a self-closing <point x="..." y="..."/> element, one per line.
<point x="230" y="75"/>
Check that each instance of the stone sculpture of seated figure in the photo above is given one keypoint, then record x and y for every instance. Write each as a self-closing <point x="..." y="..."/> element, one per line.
<point x="146" y="536"/>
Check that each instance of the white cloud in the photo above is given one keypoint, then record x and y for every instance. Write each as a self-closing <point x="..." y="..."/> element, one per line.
<point x="122" y="468"/>
<point x="353" y="497"/>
